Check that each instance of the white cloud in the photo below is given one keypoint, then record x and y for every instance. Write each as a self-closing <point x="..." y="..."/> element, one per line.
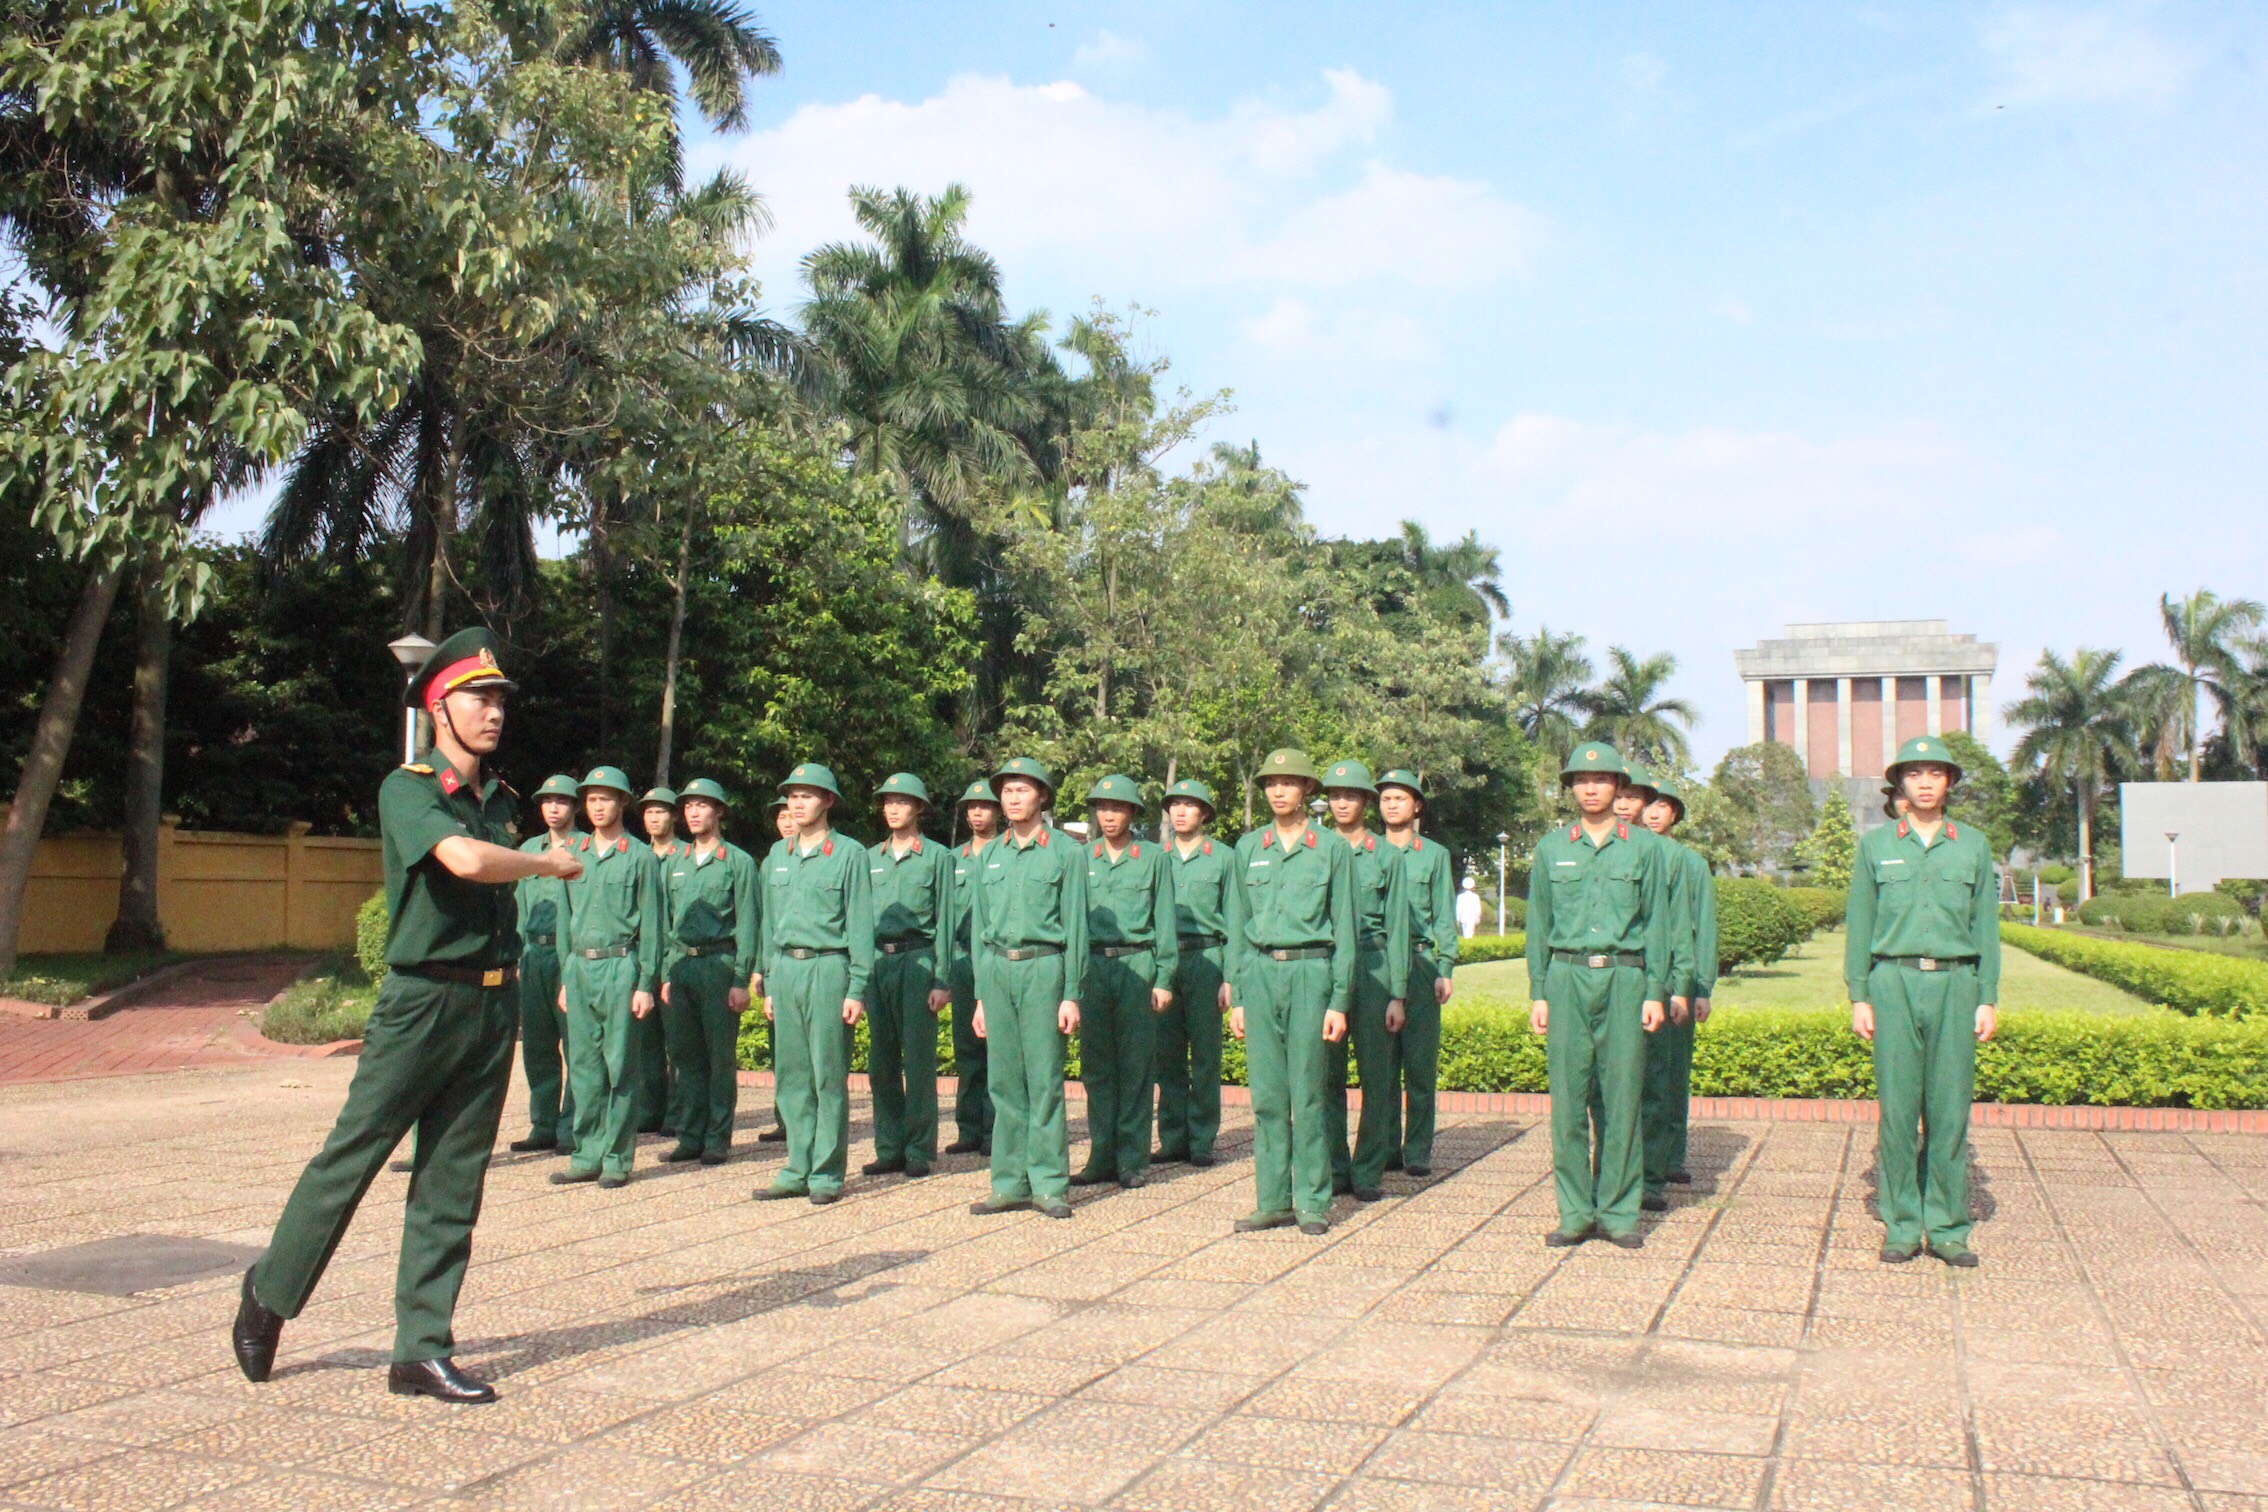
<point x="1109" y="50"/>
<point x="1293" y="329"/>
<point x="2094" y="55"/>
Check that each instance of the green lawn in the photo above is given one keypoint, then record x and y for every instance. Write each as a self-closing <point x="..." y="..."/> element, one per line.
<point x="332" y="1004"/>
<point x="1812" y="977"/>
<point x="65" y="979"/>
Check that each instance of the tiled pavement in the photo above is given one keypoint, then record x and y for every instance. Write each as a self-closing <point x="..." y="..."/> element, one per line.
<point x="208" y="1017"/>
<point x="675" y="1345"/>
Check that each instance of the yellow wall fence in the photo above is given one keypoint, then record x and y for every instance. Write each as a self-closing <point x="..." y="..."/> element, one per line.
<point x="215" y="891"/>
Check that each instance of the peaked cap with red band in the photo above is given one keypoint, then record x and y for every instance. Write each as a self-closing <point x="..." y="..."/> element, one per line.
<point x="465" y="660"/>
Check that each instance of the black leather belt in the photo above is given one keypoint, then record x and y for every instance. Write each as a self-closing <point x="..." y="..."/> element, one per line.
<point x="706" y="950"/>
<point x="1027" y="952"/>
<point x="1929" y="963"/>
<point x="549" y="939"/>
<point x="1299" y="953"/>
<point x="1599" y="960"/>
<point x="1114" y="952"/>
<point x="1202" y="941"/>
<point x="798" y="953"/>
<point x="1375" y="942"/>
<point x="900" y="947"/>
<point x="463" y="976"/>
<point x="615" y="953"/>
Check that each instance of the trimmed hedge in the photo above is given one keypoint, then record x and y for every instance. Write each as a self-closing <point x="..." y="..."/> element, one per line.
<point x="2155" y="913"/>
<point x="1484" y="948"/>
<point x="370" y="924"/>
<point x="1822" y="906"/>
<point x="1757" y="923"/>
<point x="2187" y="981"/>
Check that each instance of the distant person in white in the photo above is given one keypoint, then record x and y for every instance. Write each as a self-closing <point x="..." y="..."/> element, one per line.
<point x="1469" y="908"/>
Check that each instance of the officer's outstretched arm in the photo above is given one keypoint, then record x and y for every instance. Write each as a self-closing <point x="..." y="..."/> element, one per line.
<point x="478" y="861"/>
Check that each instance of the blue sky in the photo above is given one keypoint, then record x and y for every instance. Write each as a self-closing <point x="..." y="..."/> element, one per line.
<point x="1711" y="317"/>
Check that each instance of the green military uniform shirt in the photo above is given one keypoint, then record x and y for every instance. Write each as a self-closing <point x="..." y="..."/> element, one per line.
<point x="437" y="917"/>
<point x="1600" y="899"/>
<point x="1200" y="889"/>
<point x="1281" y="899"/>
<point x="1382" y="913"/>
<point x="1432" y="895"/>
<point x="819" y="899"/>
<point x="913" y="892"/>
<point x="1130" y="901"/>
<point x="542" y="901"/>
<point x="711" y="901"/>
<point x="1941" y="900"/>
<point x="1696" y="908"/>
<point x="616" y="902"/>
<point x="1033" y="893"/>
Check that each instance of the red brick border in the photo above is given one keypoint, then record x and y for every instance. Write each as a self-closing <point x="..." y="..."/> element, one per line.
<point x="1800" y="1110"/>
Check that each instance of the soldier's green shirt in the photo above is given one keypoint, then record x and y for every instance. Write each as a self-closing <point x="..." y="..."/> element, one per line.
<point x="1697" y="913"/>
<point x="1432" y="896"/>
<point x="1382" y="912"/>
<point x="913" y="892"/>
<point x="437" y="917"/>
<point x="1130" y="902"/>
<point x="1612" y="898"/>
<point x="1200" y="888"/>
<point x="1285" y="899"/>
<point x="819" y="898"/>
<point x="1908" y="899"/>
<point x="542" y="900"/>
<point x="966" y="858"/>
<point x="709" y="900"/>
<point x="616" y="902"/>
<point x="1033" y="893"/>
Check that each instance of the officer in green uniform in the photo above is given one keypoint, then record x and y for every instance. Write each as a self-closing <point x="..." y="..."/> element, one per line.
<point x="1669" y="1051"/>
<point x="656" y="1079"/>
<point x="1432" y="895"/>
<point x="1381" y="988"/>
<point x="1922" y="961"/>
<point x="1133" y="946"/>
<point x="1292" y="951"/>
<point x="543" y="1039"/>
<point x="912" y="882"/>
<point x="610" y="970"/>
<point x="972" y="1099"/>
<point x="1028" y="933"/>
<point x="437" y="1056"/>
<point x="783" y="827"/>
<point x="1599" y="965"/>
<point x="1189" y="1032"/>
<point x="708" y="959"/>
<point x="818" y="952"/>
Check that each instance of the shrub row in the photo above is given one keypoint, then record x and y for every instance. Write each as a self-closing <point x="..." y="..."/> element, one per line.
<point x="2187" y="981"/>
<point x="1483" y="948"/>
<point x="370" y="924"/>
<point x="2155" y="913"/>
<point x="1822" y="906"/>
<point x="1757" y="922"/>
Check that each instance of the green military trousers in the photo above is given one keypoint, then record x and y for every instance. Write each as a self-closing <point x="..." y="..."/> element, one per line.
<point x="543" y="1047"/>
<point x="1378" y="1057"/>
<point x="972" y="1099"/>
<point x="1189" y="1056"/>
<point x="1595" y="1053"/>
<point x="1421" y="1062"/>
<point x="703" y="1034"/>
<point x="599" y="1069"/>
<point x="1668" y="1100"/>
<point x="657" y="1096"/>
<point x="1287" y="1063"/>
<point x="1118" y="1051"/>
<point x="901" y="1056"/>
<point x="1031" y="1140"/>
<point x="811" y="1048"/>
<point x="1925" y="1073"/>
<point x="437" y="1058"/>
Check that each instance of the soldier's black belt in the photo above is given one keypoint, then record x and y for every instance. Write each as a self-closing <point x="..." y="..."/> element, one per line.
<point x="1928" y="963"/>
<point x="549" y="939"/>
<point x="1299" y="953"/>
<point x="1113" y="952"/>
<point x="901" y="947"/>
<point x="604" y="955"/>
<point x="713" y="949"/>
<point x="1026" y="952"/>
<point x="1374" y="942"/>
<point x="1599" y="960"/>
<point x="798" y="953"/>
<point x="1202" y="941"/>
<point x="462" y="976"/>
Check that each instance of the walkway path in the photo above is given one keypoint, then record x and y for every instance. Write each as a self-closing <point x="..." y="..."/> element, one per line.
<point x="205" y="1017"/>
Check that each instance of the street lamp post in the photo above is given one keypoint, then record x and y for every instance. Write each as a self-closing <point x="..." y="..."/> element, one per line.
<point x="412" y="651"/>
<point x="2173" y="863"/>
<point x="1502" y="840"/>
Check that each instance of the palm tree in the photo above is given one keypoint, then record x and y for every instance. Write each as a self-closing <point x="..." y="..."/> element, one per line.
<point x="719" y="45"/>
<point x="2078" y="733"/>
<point x="2161" y="705"/>
<point x="1549" y="676"/>
<point x="1464" y="576"/>
<point x="1628" y="711"/>
<point x="2208" y="634"/>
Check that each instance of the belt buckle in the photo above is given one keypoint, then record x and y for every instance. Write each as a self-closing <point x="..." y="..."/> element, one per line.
<point x="1279" y="955"/>
<point x="1925" y="963"/>
<point x="1595" y="962"/>
<point x="492" y="977"/>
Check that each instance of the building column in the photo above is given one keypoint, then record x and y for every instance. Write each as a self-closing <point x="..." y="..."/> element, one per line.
<point x="1889" y="721"/>
<point x="1843" y="726"/>
<point x="1756" y="711"/>
<point x="1980" y="694"/>
<point x="1934" y="689"/>
<point x="1802" y="743"/>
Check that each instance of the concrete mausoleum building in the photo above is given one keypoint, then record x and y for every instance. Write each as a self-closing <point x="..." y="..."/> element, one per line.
<point x="1844" y="696"/>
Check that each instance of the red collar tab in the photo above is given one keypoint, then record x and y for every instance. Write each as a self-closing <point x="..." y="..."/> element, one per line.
<point x="1135" y="850"/>
<point x="827" y="846"/>
<point x="1950" y="832"/>
<point x="450" y="781"/>
<point x="915" y="848"/>
<point x="622" y="845"/>
<point x="1903" y="829"/>
<point x="1621" y="829"/>
<point x="583" y="844"/>
<point x="1417" y="843"/>
<point x="1207" y="846"/>
<point x="1043" y="839"/>
<point x="1311" y="839"/>
<point x="1575" y="830"/>
<point x="1098" y="850"/>
<point x="1370" y="842"/>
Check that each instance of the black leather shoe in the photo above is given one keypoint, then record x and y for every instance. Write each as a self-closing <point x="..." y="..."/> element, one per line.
<point x="1965" y="1259"/>
<point x="992" y="1207"/>
<point x="1204" y="1162"/>
<point x="1315" y="1228"/>
<point x="776" y="1134"/>
<point x="1167" y="1157"/>
<point x="1681" y="1177"/>
<point x="1133" y="1181"/>
<point x="1419" y="1171"/>
<point x="1092" y="1177"/>
<point x="1254" y="1223"/>
<point x="1628" y="1241"/>
<point x="1368" y="1194"/>
<point x="825" y="1199"/>
<point x="532" y="1143"/>
<point x="964" y="1147"/>
<point x="438" y="1379"/>
<point x="401" y="1167"/>
<point x="1898" y="1254"/>
<point x="1654" y="1204"/>
<point x="780" y="1193"/>
<point x="255" y="1335"/>
<point x="881" y="1168"/>
<point x="664" y="1130"/>
<point x="916" y="1169"/>
<point x="572" y="1177"/>
<point x="613" y="1181"/>
<point x="1561" y="1239"/>
<point x="680" y="1155"/>
<point x="1054" y="1208"/>
<point x="713" y="1157"/>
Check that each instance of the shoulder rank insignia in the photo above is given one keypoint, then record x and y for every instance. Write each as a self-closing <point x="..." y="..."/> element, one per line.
<point x="418" y="767"/>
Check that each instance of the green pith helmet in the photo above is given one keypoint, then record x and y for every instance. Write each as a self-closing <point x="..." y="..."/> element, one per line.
<point x="1640" y="778"/>
<point x="1352" y="775"/>
<point x="1287" y="762"/>
<point x="811" y="774"/>
<point x="1408" y="781"/>
<point x="1667" y="792"/>
<point x="1117" y="789"/>
<point x="1026" y="768"/>
<point x="465" y="660"/>
<point x="557" y="785"/>
<point x="702" y="787"/>
<point x="604" y="777"/>
<point x="666" y="797"/>
<point x="776" y="804"/>
<point x="1922" y="748"/>
<point x="1190" y="787"/>
<point x="1593" y="756"/>
<point x="979" y="791"/>
<point x="903" y="785"/>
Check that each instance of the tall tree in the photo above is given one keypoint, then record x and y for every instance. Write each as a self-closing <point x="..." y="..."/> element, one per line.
<point x="2208" y="634"/>
<point x="2078" y="734"/>
<point x="720" y="46"/>
<point x="1765" y="803"/>
<point x="1628" y="710"/>
<point x="1549" y="676"/>
<point x="1464" y="578"/>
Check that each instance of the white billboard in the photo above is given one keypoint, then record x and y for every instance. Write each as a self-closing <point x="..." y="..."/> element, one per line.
<point x="2195" y="833"/>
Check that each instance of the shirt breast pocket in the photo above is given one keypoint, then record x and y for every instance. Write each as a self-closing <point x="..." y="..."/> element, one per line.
<point x="1891" y="874"/>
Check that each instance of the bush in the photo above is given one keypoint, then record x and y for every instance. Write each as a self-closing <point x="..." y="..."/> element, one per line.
<point x="2057" y="876"/>
<point x="370" y="925"/>
<point x="1483" y="948"/>
<point x="1822" y="906"/>
<point x="2155" y="913"/>
<point x="2186" y="981"/>
<point x="1757" y="923"/>
<point x="321" y="1009"/>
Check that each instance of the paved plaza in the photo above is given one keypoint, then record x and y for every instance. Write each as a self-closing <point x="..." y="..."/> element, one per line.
<point x="676" y="1345"/>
